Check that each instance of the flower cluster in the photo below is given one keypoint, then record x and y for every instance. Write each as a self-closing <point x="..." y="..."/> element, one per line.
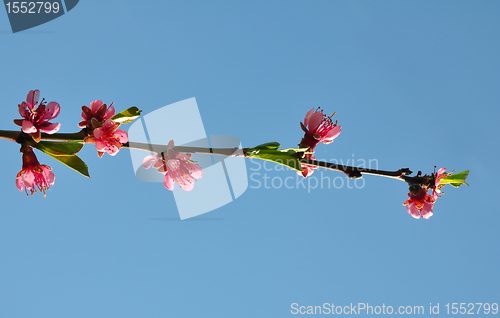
<point x="98" y="112"/>
<point x="107" y="138"/>
<point x="420" y="203"/>
<point x="36" y="116"/>
<point x="317" y="128"/>
<point x="102" y="130"/>
<point x="33" y="177"/>
<point x="97" y="124"/>
<point x="176" y="166"/>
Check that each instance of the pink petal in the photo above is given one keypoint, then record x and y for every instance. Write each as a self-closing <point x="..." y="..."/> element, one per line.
<point x="183" y="156"/>
<point x="99" y="145"/>
<point x="52" y="110"/>
<point x="168" y="182"/>
<point x="159" y="164"/>
<point x="94" y="106"/>
<point x="196" y="171"/>
<point x="49" y="175"/>
<point x="50" y="128"/>
<point x="170" y="153"/>
<point x="110" y="112"/>
<point x="20" y="183"/>
<point x="187" y="187"/>
<point x="333" y="133"/>
<point x="412" y="209"/>
<point x="122" y="135"/>
<point x="308" y="115"/>
<point x="22" y="110"/>
<point x="32" y="98"/>
<point x="29" y="180"/>
<point x="28" y="127"/>
<point x="98" y="132"/>
<point x="148" y="161"/>
<point x="315" y="120"/>
<point x="113" y="150"/>
<point x="441" y="171"/>
<point x="109" y="124"/>
<point x="427" y="210"/>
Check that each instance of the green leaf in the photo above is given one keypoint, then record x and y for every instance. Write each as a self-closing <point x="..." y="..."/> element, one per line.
<point x="457" y="179"/>
<point x="268" y="145"/>
<point x="61" y="148"/>
<point x="64" y="152"/>
<point x="74" y="162"/>
<point x="269" y="151"/>
<point x="277" y="156"/>
<point x="127" y="115"/>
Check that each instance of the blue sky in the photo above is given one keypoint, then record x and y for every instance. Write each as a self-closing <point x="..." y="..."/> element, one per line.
<point x="414" y="84"/>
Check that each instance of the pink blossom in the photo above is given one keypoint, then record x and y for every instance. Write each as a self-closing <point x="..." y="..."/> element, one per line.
<point x="436" y="190"/>
<point x="420" y="203"/>
<point x="108" y="138"/>
<point x="177" y="167"/>
<point x="307" y="170"/>
<point x="34" y="176"/>
<point x="318" y="128"/>
<point x="98" y="111"/>
<point x="37" y="119"/>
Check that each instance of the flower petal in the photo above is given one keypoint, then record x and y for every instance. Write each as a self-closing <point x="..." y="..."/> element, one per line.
<point x="110" y="112"/>
<point x="48" y="174"/>
<point x="413" y="211"/>
<point x="99" y="145"/>
<point x="50" y="128"/>
<point x="308" y="115"/>
<point x="52" y="110"/>
<point x="148" y="161"/>
<point x="187" y="186"/>
<point x="22" y="110"/>
<point x="183" y="156"/>
<point x="315" y="120"/>
<point x="32" y="98"/>
<point x="427" y="210"/>
<point x="109" y="124"/>
<point x="29" y="180"/>
<point x="28" y="127"/>
<point x="332" y="134"/>
<point x="168" y="182"/>
<point x="159" y="164"/>
<point x="98" y="132"/>
<point x="170" y="154"/>
<point x="20" y="183"/>
<point x="121" y="135"/>
<point x="94" y="106"/>
<point x="196" y="171"/>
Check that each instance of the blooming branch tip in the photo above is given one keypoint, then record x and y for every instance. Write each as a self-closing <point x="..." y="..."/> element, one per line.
<point x="177" y="168"/>
<point x="36" y="116"/>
